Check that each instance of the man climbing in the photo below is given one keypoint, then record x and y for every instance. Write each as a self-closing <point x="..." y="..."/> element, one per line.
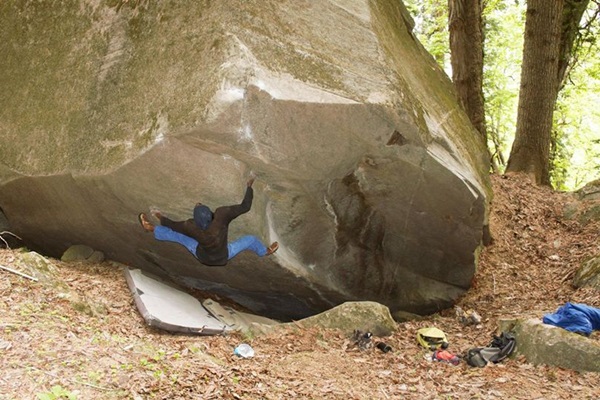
<point x="205" y="235"/>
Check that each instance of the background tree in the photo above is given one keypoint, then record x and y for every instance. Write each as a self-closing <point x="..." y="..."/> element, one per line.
<point x="567" y="147"/>
<point x="575" y="138"/>
<point x="503" y="25"/>
<point x="537" y="145"/>
<point x="573" y="12"/>
<point x="530" y="151"/>
<point x="466" y="55"/>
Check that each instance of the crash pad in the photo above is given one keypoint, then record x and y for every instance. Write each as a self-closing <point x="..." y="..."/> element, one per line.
<point x="165" y="306"/>
<point x="234" y="319"/>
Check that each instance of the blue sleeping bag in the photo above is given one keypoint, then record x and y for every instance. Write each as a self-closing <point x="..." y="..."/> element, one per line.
<point x="578" y="318"/>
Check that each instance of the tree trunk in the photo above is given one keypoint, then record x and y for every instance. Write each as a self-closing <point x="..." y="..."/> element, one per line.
<point x="466" y="54"/>
<point x="539" y="90"/>
<point x="572" y="15"/>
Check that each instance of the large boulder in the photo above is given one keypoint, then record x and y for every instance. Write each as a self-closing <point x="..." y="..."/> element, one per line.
<point x="370" y="175"/>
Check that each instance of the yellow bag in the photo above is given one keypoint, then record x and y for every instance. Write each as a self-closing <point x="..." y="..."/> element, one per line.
<point x="432" y="338"/>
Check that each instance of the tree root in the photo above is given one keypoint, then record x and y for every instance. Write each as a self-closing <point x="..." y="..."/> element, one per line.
<point x="4" y="240"/>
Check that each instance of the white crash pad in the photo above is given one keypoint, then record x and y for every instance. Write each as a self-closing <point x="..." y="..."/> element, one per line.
<point x="234" y="319"/>
<point x="164" y="306"/>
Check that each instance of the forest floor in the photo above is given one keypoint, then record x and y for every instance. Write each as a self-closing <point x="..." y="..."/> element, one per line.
<point x="50" y="350"/>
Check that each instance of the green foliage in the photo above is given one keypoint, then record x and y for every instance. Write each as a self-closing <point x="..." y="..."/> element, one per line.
<point x="575" y="152"/>
<point x="503" y="26"/>
<point x="431" y="28"/>
<point x="576" y="157"/>
<point x="57" y="392"/>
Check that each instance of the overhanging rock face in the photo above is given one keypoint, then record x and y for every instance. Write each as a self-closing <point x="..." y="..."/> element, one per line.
<point x="369" y="174"/>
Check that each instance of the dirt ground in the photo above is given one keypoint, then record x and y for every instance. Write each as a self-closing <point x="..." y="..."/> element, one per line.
<point x="50" y="349"/>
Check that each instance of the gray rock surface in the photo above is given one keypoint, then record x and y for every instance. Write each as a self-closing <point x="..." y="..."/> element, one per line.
<point x="365" y="316"/>
<point x="585" y="206"/>
<point x="588" y="274"/>
<point x="589" y="192"/>
<point x="547" y="344"/>
<point x="77" y="252"/>
<point x="81" y="252"/>
<point x="370" y="175"/>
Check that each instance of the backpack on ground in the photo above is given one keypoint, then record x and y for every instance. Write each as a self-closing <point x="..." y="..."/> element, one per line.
<point x="432" y="338"/>
<point x="501" y="347"/>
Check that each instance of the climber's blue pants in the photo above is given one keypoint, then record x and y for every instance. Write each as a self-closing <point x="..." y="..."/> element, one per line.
<point x="248" y="242"/>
